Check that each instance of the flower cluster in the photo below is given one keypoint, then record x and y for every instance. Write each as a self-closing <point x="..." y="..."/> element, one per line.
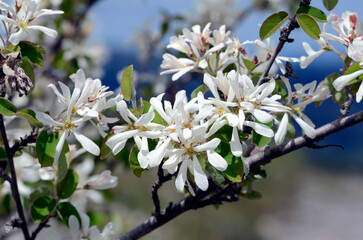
<point x="86" y="103"/>
<point x="187" y="133"/>
<point x="350" y="33"/>
<point x="19" y="19"/>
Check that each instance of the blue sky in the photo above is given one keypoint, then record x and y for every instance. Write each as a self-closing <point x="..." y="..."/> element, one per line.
<point x="116" y="21"/>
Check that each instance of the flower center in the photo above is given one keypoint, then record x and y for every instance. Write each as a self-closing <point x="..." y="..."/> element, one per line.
<point x="68" y="126"/>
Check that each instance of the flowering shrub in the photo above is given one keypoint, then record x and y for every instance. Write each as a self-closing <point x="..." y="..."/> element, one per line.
<point x="213" y="142"/>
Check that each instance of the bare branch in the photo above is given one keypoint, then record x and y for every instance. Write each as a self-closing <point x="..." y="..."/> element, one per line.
<point x="13" y="182"/>
<point x="264" y="157"/>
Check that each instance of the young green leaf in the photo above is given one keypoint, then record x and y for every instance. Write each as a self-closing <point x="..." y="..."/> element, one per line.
<point x="30" y="116"/>
<point x="330" y="4"/>
<point x="32" y="52"/>
<point x="202" y="88"/>
<point x="134" y="162"/>
<point x="249" y="64"/>
<point x="216" y="175"/>
<point x="234" y="171"/>
<point x="314" y="12"/>
<point x="10" y="49"/>
<point x="309" y="25"/>
<point x="41" y="208"/>
<point x="126" y="83"/>
<point x="28" y="69"/>
<point x="105" y="150"/>
<point x="7" y="108"/>
<point x="65" y="210"/>
<point x="45" y="147"/>
<point x="63" y="161"/>
<point x="68" y="185"/>
<point x="260" y="140"/>
<point x="272" y="24"/>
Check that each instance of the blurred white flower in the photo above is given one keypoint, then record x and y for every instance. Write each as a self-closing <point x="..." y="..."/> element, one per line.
<point x="83" y="230"/>
<point x="102" y="181"/>
<point x="20" y="20"/>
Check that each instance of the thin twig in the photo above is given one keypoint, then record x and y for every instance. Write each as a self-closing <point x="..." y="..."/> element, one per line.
<point x="284" y="37"/>
<point x="39" y="228"/>
<point x="161" y="180"/>
<point x="13" y="182"/>
<point x="348" y="102"/>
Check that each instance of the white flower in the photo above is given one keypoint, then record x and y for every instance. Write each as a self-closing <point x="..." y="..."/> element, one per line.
<point x="266" y="50"/>
<point x="342" y="81"/>
<point x="304" y="94"/>
<point x="20" y="20"/>
<point x="136" y="128"/>
<point x="70" y="126"/>
<point x="84" y="231"/>
<point x="179" y="66"/>
<point x="348" y="27"/>
<point x="307" y="60"/>
<point x="102" y="181"/>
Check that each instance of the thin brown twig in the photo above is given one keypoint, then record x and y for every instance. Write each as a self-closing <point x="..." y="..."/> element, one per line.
<point x="13" y="182"/>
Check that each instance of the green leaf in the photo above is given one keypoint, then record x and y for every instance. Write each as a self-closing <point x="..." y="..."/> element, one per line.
<point x="202" y="88"/>
<point x="11" y="49"/>
<point x="41" y="208"/>
<point x="330" y="79"/>
<point x="272" y="24"/>
<point x="126" y="83"/>
<point x="314" y="12"/>
<point x="339" y="97"/>
<point x="309" y="25"/>
<point x="7" y="108"/>
<point x="28" y="69"/>
<point x="216" y="175"/>
<point x="65" y="210"/>
<point x="234" y="171"/>
<point x="330" y="4"/>
<point x="63" y="161"/>
<point x="30" y="116"/>
<point x="134" y="162"/>
<point x="249" y="64"/>
<point x="41" y="192"/>
<point x="353" y="68"/>
<point x="68" y="185"/>
<point x="157" y="119"/>
<point x="32" y="52"/>
<point x="260" y="140"/>
<point x="45" y="147"/>
<point x="105" y="150"/>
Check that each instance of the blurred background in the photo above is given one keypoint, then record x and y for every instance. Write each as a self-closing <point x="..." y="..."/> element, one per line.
<point x="309" y="194"/>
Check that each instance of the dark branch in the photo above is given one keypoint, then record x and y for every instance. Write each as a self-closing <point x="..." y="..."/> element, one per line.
<point x="161" y="180"/>
<point x="348" y="102"/>
<point x="32" y="138"/>
<point x="264" y="157"/>
<point x="39" y="228"/>
<point x="13" y="182"/>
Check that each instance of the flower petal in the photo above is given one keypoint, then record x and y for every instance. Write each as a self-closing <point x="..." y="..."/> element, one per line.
<point x="217" y="160"/>
<point x="87" y="144"/>
<point x="281" y="131"/>
<point x="236" y="146"/>
<point x="182" y="176"/>
<point x="200" y="178"/>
